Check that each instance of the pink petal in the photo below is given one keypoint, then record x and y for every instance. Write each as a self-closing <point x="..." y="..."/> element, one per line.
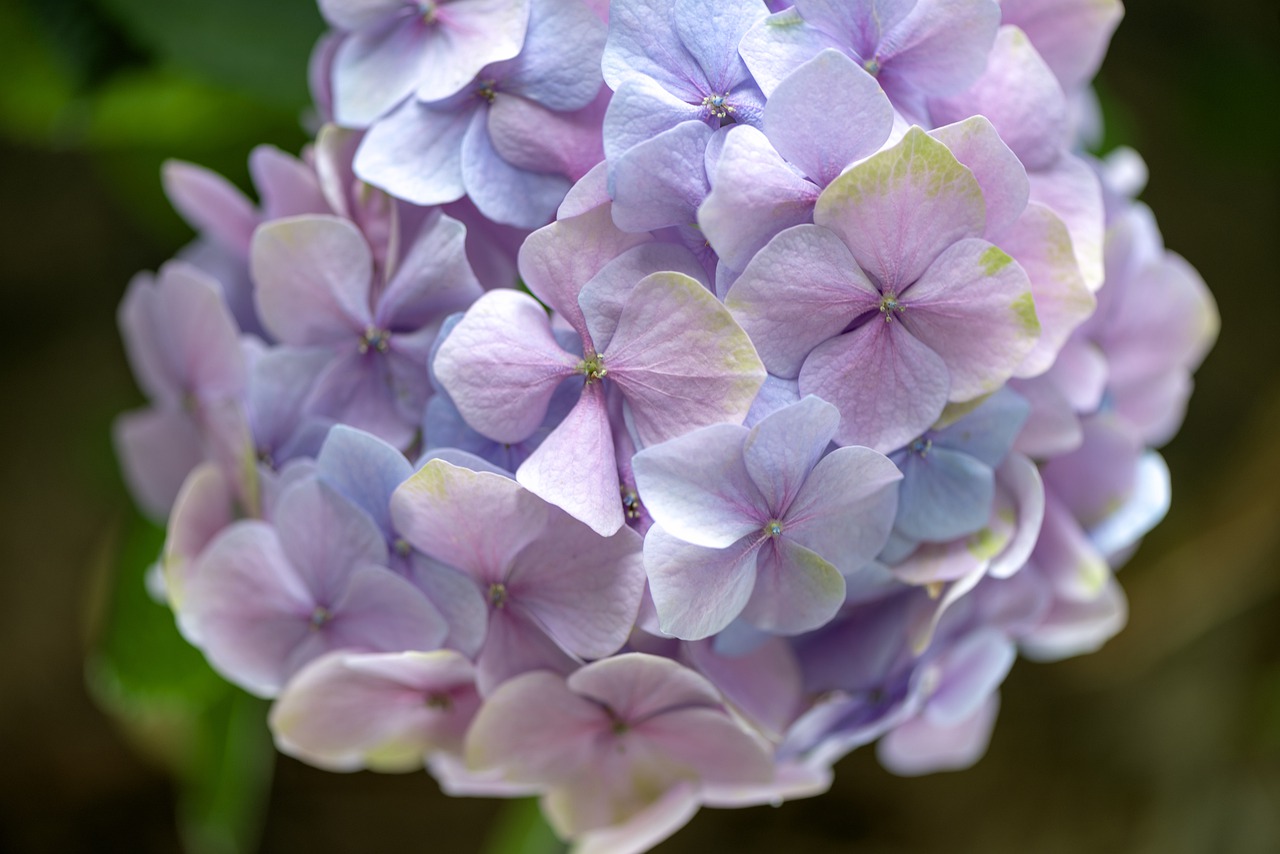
<point x="680" y="359"/>
<point x="796" y="590"/>
<point x="501" y="364"/>
<point x="899" y="209"/>
<point x="698" y="591"/>
<point x="974" y="308"/>
<point x="313" y="275"/>
<point x="802" y="289"/>
<point x="575" y="466"/>
<point x="888" y="386"/>
<point x="211" y="204"/>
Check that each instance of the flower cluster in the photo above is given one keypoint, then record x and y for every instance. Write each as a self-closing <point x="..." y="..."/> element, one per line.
<point x="828" y="382"/>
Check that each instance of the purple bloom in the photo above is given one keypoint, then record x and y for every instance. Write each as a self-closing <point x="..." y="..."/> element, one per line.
<point x="661" y="341"/>
<point x="915" y="48"/>
<point x="263" y="600"/>
<point x="384" y="711"/>
<point x="316" y="288"/>
<point x="475" y="140"/>
<point x="557" y="592"/>
<point x="613" y="740"/>
<point x="675" y="61"/>
<point x="933" y="312"/>
<point x="395" y="48"/>
<point x="758" y="522"/>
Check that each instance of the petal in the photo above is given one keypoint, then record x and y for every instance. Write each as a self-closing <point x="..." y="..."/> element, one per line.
<point x="559" y="63"/>
<point x="247" y="608"/>
<point x="637" y="686"/>
<point x="516" y="643"/>
<point x="661" y="181"/>
<point x="945" y="494"/>
<point x="783" y="448"/>
<point x="313" y="275"/>
<point x="699" y="489"/>
<point x="381" y="610"/>
<point x="680" y="359"/>
<point x="470" y="34"/>
<point x="1039" y="242"/>
<point x="287" y="185"/>
<point x="802" y="289"/>
<point x="640" y="111"/>
<point x="941" y="46"/>
<point x="779" y="44"/>
<point x="643" y="42"/>
<point x="556" y="261"/>
<point x="711" y="33"/>
<point x="1072" y="36"/>
<point x="584" y="589"/>
<point x="476" y="521"/>
<point x="974" y="308"/>
<point x="377" y="68"/>
<point x="532" y="137"/>
<point x="325" y="537"/>
<point x="796" y="590"/>
<point x="363" y="469"/>
<point x="921" y="747"/>
<point x="899" y="209"/>
<point x="798" y="116"/>
<point x="845" y="508"/>
<point x="211" y="204"/>
<point x="754" y="196"/>
<point x="535" y="728"/>
<point x="888" y="386"/>
<point x="382" y="710"/>
<point x="1071" y="190"/>
<point x="698" y="591"/>
<point x="501" y="364"/>
<point x="603" y="298"/>
<point x="502" y="192"/>
<point x="415" y="152"/>
<point x="457" y="597"/>
<point x="575" y="466"/>
<point x="432" y="280"/>
<point x="157" y="449"/>
<point x="1003" y="178"/>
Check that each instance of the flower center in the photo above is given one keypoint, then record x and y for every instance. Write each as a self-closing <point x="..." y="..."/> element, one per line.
<point x="497" y="594"/>
<point x="773" y="528"/>
<point x="319" y="617"/>
<point x="889" y="304"/>
<point x="487" y="90"/>
<point x="717" y="106"/>
<point x="402" y="547"/>
<point x="430" y="11"/>
<point x="593" y="367"/>
<point x="378" y="340"/>
<point x="921" y="446"/>
<point x="631" y="506"/>
<point x="872" y="66"/>
<point x="439" y="702"/>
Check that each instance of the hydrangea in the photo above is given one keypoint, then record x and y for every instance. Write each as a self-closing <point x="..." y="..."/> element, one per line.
<point x="772" y="378"/>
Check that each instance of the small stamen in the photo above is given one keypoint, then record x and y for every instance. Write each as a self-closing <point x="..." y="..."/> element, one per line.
<point x="402" y="547"/>
<point x="430" y="11"/>
<point x="439" y="702"/>
<point x="375" y="339"/>
<point x="889" y="304"/>
<point x="716" y="106"/>
<point x="319" y="617"/>
<point x="773" y="528"/>
<point x="497" y="594"/>
<point x="872" y="66"/>
<point x="631" y="506"/>
<point x="921" y="446"/>
<point x="487" y="90"/>
<point x="593" y="367"/>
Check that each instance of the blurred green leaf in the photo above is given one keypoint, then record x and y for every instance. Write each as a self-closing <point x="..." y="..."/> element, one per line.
<point x="34" y="88"/>
<point x="259" y="47"/>
<point x="211" y="735"/>
<point x="521" y="829"/>
<point x="226" y="787"/>
<point x="140" y="657"/>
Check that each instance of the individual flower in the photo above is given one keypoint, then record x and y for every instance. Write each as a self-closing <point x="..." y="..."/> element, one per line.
<point x="626" y="741"/>
<point x="316" y="287"/>
<point x="264" y="599"/>
<point x="759" y="522"/>
<point x="557" y="592"/>
<point x="661" y="341"/>
<point x="934" y="313"/>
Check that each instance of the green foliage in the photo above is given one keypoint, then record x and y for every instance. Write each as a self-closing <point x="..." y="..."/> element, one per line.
<point x="521" y="829"/>
<point x="211" y="735"/>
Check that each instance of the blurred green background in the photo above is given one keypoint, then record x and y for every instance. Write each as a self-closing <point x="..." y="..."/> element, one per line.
<point x="1166" y="741"/>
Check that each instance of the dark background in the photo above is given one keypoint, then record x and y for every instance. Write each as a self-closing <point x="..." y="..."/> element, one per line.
<point x="1166" y="741"/>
